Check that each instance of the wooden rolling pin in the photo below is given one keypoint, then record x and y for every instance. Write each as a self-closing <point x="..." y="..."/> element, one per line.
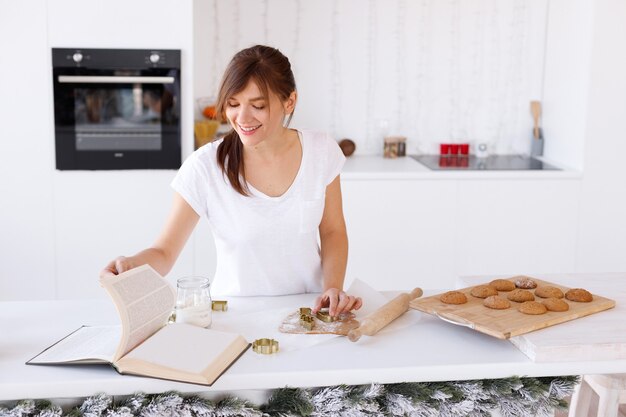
<point x="384" y="315"/>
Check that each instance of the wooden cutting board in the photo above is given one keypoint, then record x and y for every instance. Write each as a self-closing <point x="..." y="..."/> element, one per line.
<point x="504" y="324"/>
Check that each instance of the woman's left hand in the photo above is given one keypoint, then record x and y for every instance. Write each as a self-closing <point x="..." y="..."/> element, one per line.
<point x="337" y="302"/>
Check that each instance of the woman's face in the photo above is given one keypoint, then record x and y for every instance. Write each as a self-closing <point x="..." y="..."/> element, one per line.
<point x="249" y="114"/>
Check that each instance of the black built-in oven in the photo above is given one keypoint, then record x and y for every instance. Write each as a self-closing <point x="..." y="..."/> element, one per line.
<point x="117" y="108"/>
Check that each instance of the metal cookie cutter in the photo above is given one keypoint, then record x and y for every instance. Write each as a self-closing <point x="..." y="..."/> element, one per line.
<point x="325" y="317"/>
<point x="219" y="305"/>
<point x="306" y="318"/>
<point x="265" y="346"/>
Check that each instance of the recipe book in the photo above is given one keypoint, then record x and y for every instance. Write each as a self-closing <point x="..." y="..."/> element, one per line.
<point x="145" y="344"/>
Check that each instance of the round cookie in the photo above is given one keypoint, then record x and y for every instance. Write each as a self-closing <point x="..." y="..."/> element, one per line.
<point x="549" y="292"/>
<point x="453" y="297"/>
<point x="483" y="291"/>
<point x="519" y="296"/>
<point x="496" y="302"/>
<point x="525" y="283"/>
<point x="532" y="307"/>
<point x="579" y="295"/>
<point x="502" y="285"/>
<point x="555" y="304"/>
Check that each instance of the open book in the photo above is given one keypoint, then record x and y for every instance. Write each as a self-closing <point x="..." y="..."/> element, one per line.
<point x="145" y="344"/>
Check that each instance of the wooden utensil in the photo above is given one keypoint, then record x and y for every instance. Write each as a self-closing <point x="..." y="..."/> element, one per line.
<point x="535" y="110"/>
<point x="384" y="315"/>
<point x="504" y="324"/>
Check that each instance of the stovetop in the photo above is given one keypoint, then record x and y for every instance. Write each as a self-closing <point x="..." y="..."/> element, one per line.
<point x="490" y="163"/>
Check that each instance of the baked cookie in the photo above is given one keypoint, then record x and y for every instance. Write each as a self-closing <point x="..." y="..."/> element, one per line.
<point x="496" y="302"/>
<point x="453" y="297"/>
<point x="483" y="291"/>
<point x="525" y="282"/>
<point x="532" y="307"/>
<point x="555" y="304"/>
<point x="519" y="296"/>
<point x="579" y="295"/>
<point x="502" y="285"/>
<point x="549" y="292"/>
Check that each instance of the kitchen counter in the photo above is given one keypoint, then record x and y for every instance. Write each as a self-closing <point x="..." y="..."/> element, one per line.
<point x="427" y="349"/>
<point x="374" y="167"/>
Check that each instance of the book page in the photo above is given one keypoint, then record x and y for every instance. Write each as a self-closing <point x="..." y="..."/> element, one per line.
<point x="93" y="344"/>
<point x="184" y="348"/>
<point x="144" y="301"/>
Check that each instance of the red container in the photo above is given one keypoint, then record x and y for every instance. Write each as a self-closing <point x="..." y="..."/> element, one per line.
<point x="444" y="148"/>
<point x="464" y="148"/>
<point x="454" y="149"/>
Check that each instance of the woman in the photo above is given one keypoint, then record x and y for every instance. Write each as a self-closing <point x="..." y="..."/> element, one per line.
<point x="269" y="192"/>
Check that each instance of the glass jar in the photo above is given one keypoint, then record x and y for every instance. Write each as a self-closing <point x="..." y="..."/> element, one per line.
<point x="193" y="301"/>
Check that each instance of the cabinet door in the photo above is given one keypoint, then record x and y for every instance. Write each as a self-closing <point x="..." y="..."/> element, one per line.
<point x="516" y="226"/>
<point x="401" y="233"/>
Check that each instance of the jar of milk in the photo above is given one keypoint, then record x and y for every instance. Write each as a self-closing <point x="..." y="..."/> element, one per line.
<point x="193" y="301"/>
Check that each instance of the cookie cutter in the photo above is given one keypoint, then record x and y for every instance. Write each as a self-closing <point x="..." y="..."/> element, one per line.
<point x="265" y="346"/>
<point x="219" y="305"/>
<point x="306" y="318"/>
<point x="307" y="322"/>
<point x="325" y="317"/>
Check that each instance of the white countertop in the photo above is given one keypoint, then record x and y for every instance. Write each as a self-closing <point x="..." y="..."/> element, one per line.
<point x="373" y="167"/>
<point x="427" y="350"/>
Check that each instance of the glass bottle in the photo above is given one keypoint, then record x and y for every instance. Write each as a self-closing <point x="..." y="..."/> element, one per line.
<point x="193" y="301"/>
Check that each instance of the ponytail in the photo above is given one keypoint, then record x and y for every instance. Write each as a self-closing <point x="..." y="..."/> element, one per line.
<point x="230" y="161"/>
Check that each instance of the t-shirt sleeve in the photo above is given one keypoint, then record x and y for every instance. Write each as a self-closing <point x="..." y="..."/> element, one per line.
<point x="336" y="160"/>
<point x="191" y="183"/>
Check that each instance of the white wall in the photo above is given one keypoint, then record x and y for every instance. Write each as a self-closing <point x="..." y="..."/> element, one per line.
<point x="435" y="71"/>
<point x="59" y="228"/>
<point x="27" y="223"/>
<point x="602" y="232"/>
<point x="570" y="39"/>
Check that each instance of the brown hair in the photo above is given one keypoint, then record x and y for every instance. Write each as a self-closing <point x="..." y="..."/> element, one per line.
<point x="271" y="71"/>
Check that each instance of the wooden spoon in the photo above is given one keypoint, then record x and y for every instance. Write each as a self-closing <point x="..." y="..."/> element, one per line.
<point x="535" y="110"/>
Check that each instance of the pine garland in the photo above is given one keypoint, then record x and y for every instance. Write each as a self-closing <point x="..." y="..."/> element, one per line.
<point x="514" y="397"/>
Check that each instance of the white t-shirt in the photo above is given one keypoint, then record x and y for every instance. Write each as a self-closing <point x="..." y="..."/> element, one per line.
<point x="265" y="245"/>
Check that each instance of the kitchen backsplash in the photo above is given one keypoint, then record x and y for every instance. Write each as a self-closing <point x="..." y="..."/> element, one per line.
<point x="433" y="71"/>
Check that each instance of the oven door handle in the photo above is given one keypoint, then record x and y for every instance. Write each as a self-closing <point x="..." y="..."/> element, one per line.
<point x="104" y="79"/>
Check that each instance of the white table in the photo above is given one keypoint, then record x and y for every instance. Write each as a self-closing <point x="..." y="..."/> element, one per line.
<point x="428" y="350"/>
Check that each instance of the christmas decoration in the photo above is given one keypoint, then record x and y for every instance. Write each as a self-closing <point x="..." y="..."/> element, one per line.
<point x="511" y="397"/>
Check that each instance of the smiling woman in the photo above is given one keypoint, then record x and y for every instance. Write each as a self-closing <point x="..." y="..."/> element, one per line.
<point x="270" y="193"/>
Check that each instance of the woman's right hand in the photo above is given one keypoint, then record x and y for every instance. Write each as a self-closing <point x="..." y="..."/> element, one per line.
<point x="117" y="266"/>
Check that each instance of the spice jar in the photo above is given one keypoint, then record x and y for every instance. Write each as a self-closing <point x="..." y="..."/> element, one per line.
<point x="395" y="146"/>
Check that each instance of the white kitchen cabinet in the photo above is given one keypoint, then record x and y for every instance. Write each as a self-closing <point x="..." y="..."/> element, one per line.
<point x="401" y="232"/>
<point x="425" y="232"/>
<point x="516" y="226"/>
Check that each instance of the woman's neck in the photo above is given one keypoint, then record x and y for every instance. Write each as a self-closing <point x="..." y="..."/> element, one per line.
<point x="272" y="148"/>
